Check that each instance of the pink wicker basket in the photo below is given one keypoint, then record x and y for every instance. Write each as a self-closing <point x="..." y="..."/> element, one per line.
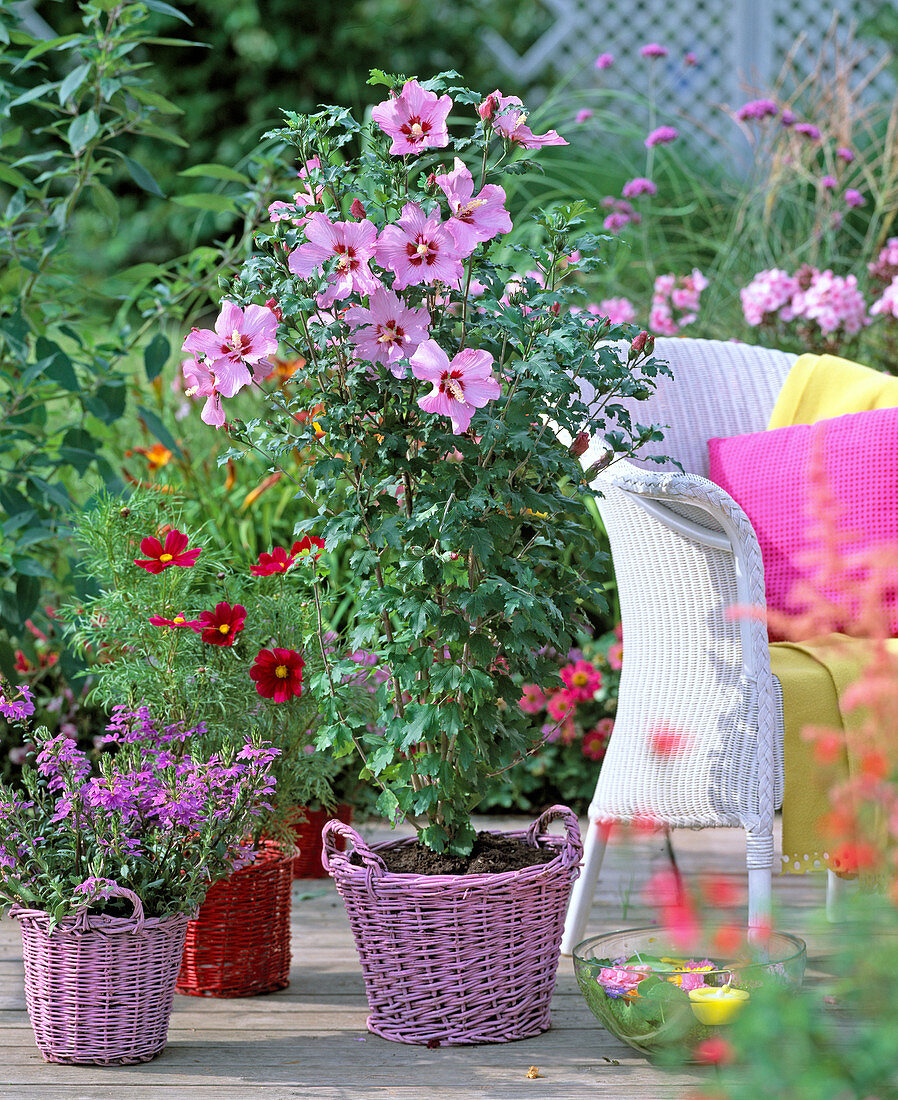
<point x="454" y="959"/>
<point x="239" y="944"/>
<point x="99" y="989"/>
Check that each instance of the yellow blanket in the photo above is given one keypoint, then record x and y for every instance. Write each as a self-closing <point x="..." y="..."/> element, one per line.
<point x="815" y="674"/>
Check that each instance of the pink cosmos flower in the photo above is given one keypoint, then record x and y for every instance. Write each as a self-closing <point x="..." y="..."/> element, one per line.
<point x="757" y="109"/>
<point x="510" y="122"/>
<point x="419" y="250"/>
<point x="653" y="50"/>
<point x="854" y="198"/>
<point x="604" y="61"/>
<point x="351" y="243"/>
<point x="415" y="120"/>
<point x="241" y="339"/>
<point x="473" y="220"/>
<point x="459" y="387"/>
<point x="388" y="331"/>
<point x="639" y="186"/>
<point x="664" y="135"/>
<point x="582" y="680"/>
<point x="532" y="700"/>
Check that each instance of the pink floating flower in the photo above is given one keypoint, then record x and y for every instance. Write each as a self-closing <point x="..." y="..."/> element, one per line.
<point x="473" y="219"/>
<point x="352" y="244"/>
<point x="583" y="115"/>
<point x="854" y="198"/>
<point x="388" y="331"/>
<point x="415" y="120"/>
<point x="653" y="50"/>
<point x="532" y="700"/>
<point x="757" y="109"/>
<point x="639" y="186"/>
<point x="419" y="249"/>
<point x="241" y="339"/>
<point x="582" y="680"/>
<point x="511" y="122"/>
<point x="459" y="387"/>
<point x="663" y="135"/>
<point x="604" y="61"/>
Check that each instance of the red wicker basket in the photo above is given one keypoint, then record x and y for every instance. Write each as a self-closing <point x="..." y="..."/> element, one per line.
<point x="239" y="944"/>
<point x="308" y="839"/>
<point x="453" y="959"/>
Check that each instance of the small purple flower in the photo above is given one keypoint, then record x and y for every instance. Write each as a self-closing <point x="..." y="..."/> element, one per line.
<point x="604" y="60"/>
<point x="583" y="115"/>
<point x="787" y="118"/>
<point x="664" y="135"/>
<point x="829" y="183"/>
<point x="690" y="60"/>
<point x="17" y="710"/>
<point x="845" y="154"/>
<point x="639" y="186"/>
<point x="854" y="198"/>
<point x="808" y="130"/>
<point x="653" y="50"/>
<point x="757" y="109"/>
<point x="95" y="889"/>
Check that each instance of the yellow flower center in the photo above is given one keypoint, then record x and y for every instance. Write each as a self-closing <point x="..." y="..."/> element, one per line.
<point x="179" y="619"/>
<point x="166" y="557"/>
<point x="281" y="672"/>
<point x="416" y="130"/>
<point x="224" y="628"/>
<point x="580" y="679"/>
<point x="454" y="387"/>
<point x="423" y="248"/>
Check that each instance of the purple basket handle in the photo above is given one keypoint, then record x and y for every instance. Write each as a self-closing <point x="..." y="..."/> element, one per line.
<point x="133" y="924"/>
<point x="572" y="849"/>
<point x="374" y="865"/>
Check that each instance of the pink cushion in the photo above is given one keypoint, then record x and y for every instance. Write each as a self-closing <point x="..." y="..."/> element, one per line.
<point x="767" y="474"/>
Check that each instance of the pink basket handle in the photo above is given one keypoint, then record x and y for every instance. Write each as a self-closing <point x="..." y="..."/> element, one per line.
<point x="572" y="849"/>
<point x="374" y="865"/>
<point x="133" y="924"/>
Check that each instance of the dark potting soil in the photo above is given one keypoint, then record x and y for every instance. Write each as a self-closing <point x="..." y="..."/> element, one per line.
<point x="492" y="853"/>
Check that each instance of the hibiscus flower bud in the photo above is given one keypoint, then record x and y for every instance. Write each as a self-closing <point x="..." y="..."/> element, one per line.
<point x="487" y="108"/>
<point x="581" y="442"/>
<point x="639" y="342"/>
<point x="272" y="304"/>
<point x="357" y="210"/>
<point x="596" y="468"/>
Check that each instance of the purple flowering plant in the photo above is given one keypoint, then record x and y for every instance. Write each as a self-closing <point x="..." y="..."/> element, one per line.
<point x="439" y="351"/>
<point x="151" y="815"/>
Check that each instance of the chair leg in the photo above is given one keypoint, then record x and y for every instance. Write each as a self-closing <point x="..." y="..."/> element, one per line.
<point x="836" y="892"/>
<point x="759" y="897"/>
<point x="585" y="886"/>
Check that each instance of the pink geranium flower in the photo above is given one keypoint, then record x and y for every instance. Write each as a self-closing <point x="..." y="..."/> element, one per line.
<point x="419" y="249"/>
<point x="415" y="120"/>
<point x="459" y="387"/>
<point x="241" y="339"/>
<point x="388" y="331"/>
<point x="352" y="244"/>
<point x="473" y="220"/>
<point x="511" y="123"/>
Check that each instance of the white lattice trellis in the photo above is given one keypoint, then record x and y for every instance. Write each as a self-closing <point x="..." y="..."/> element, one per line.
<point x="738" y="44"/>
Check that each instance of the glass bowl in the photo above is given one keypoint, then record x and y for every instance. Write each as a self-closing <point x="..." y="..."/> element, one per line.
<point x="645" y="991"/>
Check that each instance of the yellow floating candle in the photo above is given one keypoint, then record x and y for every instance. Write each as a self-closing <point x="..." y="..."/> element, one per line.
<point x="717" y="1004"/>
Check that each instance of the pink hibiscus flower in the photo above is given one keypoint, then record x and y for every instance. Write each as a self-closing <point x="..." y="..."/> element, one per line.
<point x="415" y="120"/>
<point x="419" y="249"/>
<point x="241" y="339"/>
<point x="459" y="387"/>
<point x="473" y="220"/>
<point x="201" y="382"/>
<point x="388" y="331"/>
<point x="352" y="244"/>
<point x="511" y="123"/>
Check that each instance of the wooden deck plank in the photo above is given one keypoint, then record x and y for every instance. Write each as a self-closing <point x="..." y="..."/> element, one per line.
<point x="310" y="1040"/>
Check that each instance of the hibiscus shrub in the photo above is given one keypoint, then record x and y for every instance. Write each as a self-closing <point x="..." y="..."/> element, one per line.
<point x="442" y="373"/>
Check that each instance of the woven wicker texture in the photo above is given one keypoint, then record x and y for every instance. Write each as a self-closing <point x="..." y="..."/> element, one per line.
<point x="308" y="863"/>
<point x="684" y="554"/>
<point x="99" y="989"/>
<point x="458" y="959"/>
<point x="239" y="944"/>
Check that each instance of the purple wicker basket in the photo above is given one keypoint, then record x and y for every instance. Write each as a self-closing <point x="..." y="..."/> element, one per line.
<point x="455" y="959"/>
<point x="99" y="989"/>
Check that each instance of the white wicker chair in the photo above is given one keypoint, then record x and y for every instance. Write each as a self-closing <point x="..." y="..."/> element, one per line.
<point x="684" y="552"/>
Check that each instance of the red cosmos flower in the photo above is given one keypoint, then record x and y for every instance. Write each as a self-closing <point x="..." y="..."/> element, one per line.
<point x="278" y="674"/>
<point x="278" y="561"/>
<point x="173" y="552"/>
<point x="308" y="546"/>
<point x="178" y="622"/>
<point x="221" y="626"/>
